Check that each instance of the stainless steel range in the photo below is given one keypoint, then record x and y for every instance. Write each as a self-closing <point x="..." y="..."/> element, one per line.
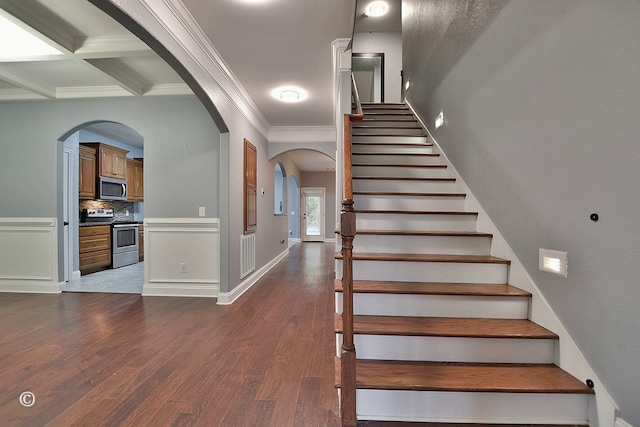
<point x="124" y="236"/>
<point x="124" y="243"/>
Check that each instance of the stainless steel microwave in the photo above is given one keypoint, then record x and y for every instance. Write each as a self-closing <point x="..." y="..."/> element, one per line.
<point x="112" y="188"/>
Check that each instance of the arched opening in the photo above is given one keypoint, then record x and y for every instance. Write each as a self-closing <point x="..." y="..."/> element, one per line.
<point x="101" y="232"/>
<point x="280" y="190"/>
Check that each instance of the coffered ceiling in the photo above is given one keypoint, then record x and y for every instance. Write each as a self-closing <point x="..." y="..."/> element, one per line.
<point x="265" y="45"/>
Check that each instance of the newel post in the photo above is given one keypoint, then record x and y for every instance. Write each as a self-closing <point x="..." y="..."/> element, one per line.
<point x="348" y="351"/>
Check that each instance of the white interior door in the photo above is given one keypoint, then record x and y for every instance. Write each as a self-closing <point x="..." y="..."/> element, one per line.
<point x="312" y="214"/>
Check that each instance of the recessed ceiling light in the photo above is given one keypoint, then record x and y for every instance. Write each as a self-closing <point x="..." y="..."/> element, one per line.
<point x="23" y="44"/>
<point x="289" y="94"/>
<point x="377" y="8"/>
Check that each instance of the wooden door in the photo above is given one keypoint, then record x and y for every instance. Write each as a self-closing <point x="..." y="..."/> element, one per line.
<point x="250" y="187"/>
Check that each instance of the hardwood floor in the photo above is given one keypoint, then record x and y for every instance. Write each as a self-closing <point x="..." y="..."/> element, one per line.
<point x="126" y="360"/>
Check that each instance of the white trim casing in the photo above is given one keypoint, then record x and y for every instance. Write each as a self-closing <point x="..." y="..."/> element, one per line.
<point x="602" y="408"/>
<point x="29" y="255"/>
<point x="228" y="298"/>
<point x="182" y="257"/>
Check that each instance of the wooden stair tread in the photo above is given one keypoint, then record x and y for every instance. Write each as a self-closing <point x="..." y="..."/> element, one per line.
<point x="458" y="327"/>
<point x="411" y="257"/>
<point x="396" y="193"/>
<point x="360" y="125"/>
<point x="398" y="154"/>
<point x="465" y="377"/>
<point x="392" y="144"/>
<point x="403" y="165"/>
<point x="371" y="423"/>
<point x="423" y="233"/>
<point x="371" y="211"/>
<point x="433" y="288"/>
<point x="405" y="178"/>
<point x="423" y="135"/>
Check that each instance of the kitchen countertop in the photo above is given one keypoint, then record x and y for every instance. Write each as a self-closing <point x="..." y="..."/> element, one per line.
<point x="95" y="223"/>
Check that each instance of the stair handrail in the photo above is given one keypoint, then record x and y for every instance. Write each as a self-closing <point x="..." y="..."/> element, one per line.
<point x="348" y="232"/>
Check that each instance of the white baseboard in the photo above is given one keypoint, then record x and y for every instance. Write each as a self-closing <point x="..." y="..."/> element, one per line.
<point x="76" y="275"/>
<point x="228" y="298"/>
<point x="181" y="289"/>
<point x="330" y="240"/>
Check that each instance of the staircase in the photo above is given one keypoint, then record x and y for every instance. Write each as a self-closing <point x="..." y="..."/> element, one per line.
<point x="440" y="334"/>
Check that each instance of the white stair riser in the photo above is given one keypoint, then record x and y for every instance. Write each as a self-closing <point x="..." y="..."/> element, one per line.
<point x="397" y="159"/>
<point x="356" y="131"/>
<point x="438" y="306"/>
<point x="393" y="123"/>
<point x="413" y="222"/>
<point x="393" y="139"/>
<point x="453" y="349"/>
<point x="401" y="172"/>
<point x="408" y="203"/>
<point x="486" y="408"/>
<point x="458" y="245"/>
<point x="404" y="186"/>
<point x="388" y="115"/>
<point x="405" y="271"/>
<point x="390" y="149"/>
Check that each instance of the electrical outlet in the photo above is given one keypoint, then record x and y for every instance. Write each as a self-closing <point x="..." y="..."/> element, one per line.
<point x="183" y="268"/>
<point x="201" y="211"/>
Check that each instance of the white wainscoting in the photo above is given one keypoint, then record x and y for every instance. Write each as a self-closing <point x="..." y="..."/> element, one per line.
<point x="182" y="257"/>
<point x="29" y="255"/>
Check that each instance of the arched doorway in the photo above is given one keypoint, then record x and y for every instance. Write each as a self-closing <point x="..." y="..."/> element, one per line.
<point x="90" y="261"/>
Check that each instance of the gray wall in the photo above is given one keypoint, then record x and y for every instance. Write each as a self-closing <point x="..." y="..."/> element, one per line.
<point x="326" y="180"/>
<point x="542" y="104"/>
<point x="182" y="148"/>
<point x="391" y="45"/>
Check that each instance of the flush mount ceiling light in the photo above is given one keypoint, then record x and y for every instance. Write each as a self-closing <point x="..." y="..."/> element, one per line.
<point x="289" y="94"/>
<point x="376" y="8"/>
<point x="24" y="45"/>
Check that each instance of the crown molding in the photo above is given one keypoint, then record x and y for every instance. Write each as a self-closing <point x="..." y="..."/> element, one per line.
<point x="183" y="28"/>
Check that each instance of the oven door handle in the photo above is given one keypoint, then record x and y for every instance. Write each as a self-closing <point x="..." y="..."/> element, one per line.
<point x="125" y="225"/>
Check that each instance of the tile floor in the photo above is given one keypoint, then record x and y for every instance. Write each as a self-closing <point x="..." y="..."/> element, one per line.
<point x="123" y="280"/>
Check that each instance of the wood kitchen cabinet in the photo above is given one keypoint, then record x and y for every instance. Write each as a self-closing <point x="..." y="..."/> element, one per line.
<point x="87" y="172"/>
<point x="135" y="180"/>
<point x="112" y="161"/>
<point x="95" y="248"/>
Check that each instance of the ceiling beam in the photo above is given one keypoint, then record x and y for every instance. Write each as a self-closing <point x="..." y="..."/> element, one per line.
<point x="118" y="75"/>
<point x="111" y="47"/>
<point x="26" y="84"/>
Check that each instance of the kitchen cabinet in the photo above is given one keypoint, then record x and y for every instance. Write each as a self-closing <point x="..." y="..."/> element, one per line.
<point x="141" y="242"/>
<point x="135" y="180"/>
<point x="112" y="161"/>
<point x="95" y="248"/>
<point x="87" y="172"/>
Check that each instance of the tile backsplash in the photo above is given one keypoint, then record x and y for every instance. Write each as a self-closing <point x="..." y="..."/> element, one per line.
<point x="119" y="208"/>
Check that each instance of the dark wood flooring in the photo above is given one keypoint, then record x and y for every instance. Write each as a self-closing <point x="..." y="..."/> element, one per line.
<point x="126" y="360"/>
